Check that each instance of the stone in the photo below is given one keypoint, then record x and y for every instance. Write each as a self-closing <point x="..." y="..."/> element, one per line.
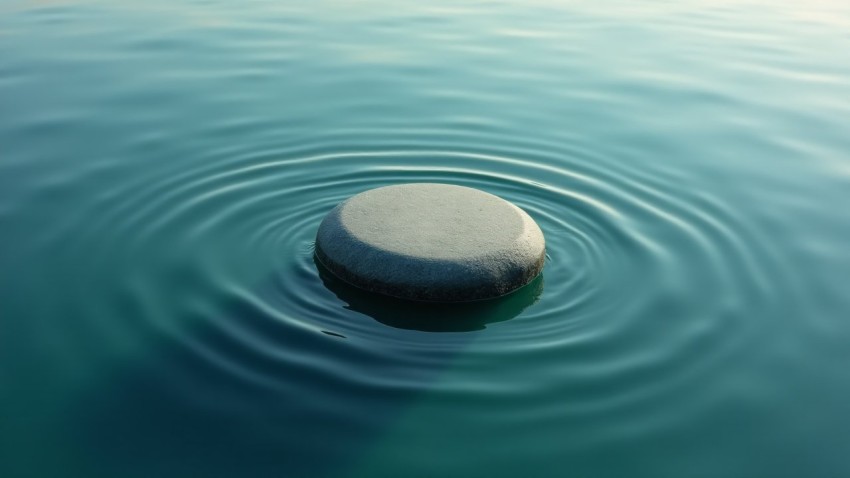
<point x="431" y="242"/>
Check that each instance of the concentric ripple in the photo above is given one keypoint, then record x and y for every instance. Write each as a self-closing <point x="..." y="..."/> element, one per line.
<point x="218" y="263"/>
<point x="643" y="294"/>
<point x="243" y="231"/>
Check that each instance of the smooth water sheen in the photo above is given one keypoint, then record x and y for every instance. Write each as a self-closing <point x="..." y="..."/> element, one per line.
<point x="164" y="167"/>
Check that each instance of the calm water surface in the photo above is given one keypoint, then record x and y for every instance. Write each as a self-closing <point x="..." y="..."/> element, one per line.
<point x="164" y="167"/>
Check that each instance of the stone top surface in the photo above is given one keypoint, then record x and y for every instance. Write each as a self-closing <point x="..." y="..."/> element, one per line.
<point x="431" y="242"/>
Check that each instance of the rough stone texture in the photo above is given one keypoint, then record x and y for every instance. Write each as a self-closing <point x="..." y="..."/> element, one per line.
<point x="431" y="242"/>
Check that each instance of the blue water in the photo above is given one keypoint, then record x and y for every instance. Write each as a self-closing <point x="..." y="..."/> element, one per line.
<point x="164" y="167"/>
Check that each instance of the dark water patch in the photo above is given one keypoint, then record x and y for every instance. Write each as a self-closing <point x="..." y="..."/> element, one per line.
<point x="285" y="385"/>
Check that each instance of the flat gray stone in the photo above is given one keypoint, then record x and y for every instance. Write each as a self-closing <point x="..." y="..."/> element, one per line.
<point x="431" y="242"/>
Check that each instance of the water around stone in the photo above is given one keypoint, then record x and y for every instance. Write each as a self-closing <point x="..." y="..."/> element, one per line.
<point x="164" y="167"/>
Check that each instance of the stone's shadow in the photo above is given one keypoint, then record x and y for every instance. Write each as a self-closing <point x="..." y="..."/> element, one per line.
<point x="430" y="316"/>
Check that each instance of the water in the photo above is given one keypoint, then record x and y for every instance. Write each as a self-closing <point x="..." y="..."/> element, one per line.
<point x="164" y="167"/>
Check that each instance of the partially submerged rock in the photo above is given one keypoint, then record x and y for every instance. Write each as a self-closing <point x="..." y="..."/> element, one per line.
<point x="431" y="242"/>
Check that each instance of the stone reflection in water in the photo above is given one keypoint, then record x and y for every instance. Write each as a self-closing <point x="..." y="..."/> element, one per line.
<point x="432" y="317"/>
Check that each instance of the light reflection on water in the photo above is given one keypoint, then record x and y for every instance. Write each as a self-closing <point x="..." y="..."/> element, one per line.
<point x="164" y="167"/>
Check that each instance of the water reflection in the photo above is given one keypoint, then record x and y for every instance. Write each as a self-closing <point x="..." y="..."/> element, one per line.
<point x="432" y="317"/>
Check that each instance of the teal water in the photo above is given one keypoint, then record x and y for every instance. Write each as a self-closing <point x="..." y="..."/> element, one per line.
<point x="164" y="167"/>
